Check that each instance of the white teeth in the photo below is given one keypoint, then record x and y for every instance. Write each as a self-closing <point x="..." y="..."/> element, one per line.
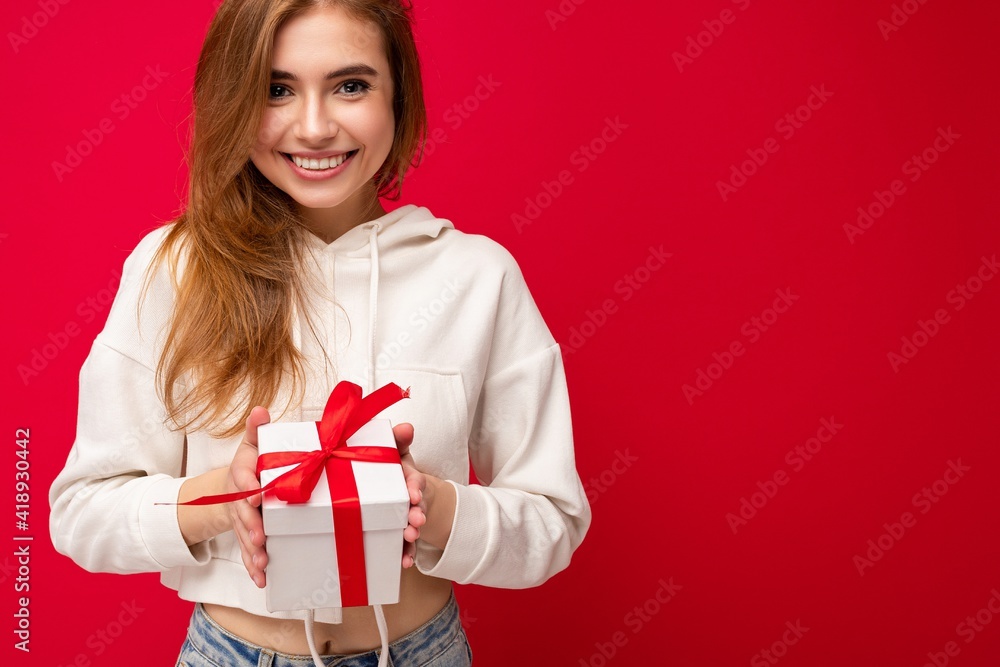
<point x="325" y="163"/>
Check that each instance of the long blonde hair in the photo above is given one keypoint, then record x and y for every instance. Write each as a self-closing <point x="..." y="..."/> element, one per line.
<point x="231" y="330"/>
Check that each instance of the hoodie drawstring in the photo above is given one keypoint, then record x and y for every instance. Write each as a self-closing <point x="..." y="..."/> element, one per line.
<point x="383" y="633"/>
<point x="383" y="629"/>
<point x="372" y="305"/>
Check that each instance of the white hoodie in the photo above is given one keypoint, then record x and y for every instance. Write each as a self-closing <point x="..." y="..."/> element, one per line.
<point x="424" y="305"/>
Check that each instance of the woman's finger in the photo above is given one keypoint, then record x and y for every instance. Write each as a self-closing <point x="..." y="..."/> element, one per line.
<point x="247" y="524"/>
<point x="254" y="557"/>
<point x="416" y="517"/>
<point x="244" y="463"/>
<point x="403" y="433"/>
<point x="409" y="554"/>
<point x="257" y="417"/>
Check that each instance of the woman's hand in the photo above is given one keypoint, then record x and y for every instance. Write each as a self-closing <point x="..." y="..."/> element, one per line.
<point x="416" y="483"/>
<point x="432" y="501"/>
<point x="245" y="514"/>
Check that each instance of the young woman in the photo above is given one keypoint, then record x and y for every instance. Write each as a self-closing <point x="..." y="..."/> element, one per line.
<point x="283" y="276"/>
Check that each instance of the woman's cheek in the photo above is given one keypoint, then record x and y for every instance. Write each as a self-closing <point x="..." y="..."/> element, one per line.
<point x="271" y="129"/>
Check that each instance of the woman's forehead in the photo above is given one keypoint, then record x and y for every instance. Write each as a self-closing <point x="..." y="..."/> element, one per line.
<point x="326" y="32"/>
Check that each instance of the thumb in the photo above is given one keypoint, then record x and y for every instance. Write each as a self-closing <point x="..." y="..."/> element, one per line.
<point x="403" y="433"/>
<point x="258" y="417"/>
<point x="248" y="451"/>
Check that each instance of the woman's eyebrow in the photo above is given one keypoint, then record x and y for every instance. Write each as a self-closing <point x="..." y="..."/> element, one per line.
<point x="357" y="69"/>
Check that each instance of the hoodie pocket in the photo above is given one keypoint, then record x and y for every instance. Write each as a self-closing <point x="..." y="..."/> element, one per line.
<point x="438" y="410"/>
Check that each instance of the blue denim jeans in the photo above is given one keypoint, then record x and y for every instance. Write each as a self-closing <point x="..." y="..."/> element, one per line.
<point x="440" y="642"/>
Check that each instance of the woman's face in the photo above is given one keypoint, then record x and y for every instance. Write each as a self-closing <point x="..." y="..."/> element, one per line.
<point x="330" y="96"/>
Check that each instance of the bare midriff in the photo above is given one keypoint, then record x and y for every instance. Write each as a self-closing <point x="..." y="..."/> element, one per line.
<point x="420" y="598"/>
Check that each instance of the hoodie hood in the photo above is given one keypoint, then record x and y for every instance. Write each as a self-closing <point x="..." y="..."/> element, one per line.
<point x="407" y="226"/>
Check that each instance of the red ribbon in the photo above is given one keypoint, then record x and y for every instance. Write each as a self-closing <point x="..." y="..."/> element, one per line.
<point x="346" y="412"/>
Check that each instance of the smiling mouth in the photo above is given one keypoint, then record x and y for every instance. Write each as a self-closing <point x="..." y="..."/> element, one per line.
<point x="314" y="164"/>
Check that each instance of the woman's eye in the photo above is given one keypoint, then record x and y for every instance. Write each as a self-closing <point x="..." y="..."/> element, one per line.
<point x="277" y="91"/>
<point x="353" y="88"/>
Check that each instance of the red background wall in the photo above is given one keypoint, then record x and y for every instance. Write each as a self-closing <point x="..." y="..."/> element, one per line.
<point x="684" y="462"/>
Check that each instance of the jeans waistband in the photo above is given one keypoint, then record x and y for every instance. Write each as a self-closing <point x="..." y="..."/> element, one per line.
<point x="221" y="646"/>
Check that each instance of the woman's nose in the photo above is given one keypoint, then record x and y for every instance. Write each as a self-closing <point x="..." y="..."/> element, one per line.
<point x="315" y="122"/>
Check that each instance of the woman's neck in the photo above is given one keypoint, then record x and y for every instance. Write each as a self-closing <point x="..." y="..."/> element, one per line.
<point x="329" y="224"/>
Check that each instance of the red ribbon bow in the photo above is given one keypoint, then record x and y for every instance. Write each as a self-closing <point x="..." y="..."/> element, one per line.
<point x="345" y="412"/>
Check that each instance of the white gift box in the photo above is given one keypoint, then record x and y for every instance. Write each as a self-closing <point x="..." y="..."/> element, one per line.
<point x="302" y="570"/>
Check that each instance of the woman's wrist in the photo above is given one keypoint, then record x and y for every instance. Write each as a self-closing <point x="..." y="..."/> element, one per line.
<point x="439" y="502"/>
<point x="201" y="522"/>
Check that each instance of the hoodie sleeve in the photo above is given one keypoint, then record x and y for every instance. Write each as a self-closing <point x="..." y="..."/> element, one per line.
<point x="125" y="458"/>
<point x="522" y="522"/>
